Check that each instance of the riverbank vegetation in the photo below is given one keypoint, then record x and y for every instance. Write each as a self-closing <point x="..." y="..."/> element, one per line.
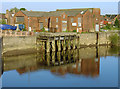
<point x="115" y="26"/>
<point x="114" y="39"/>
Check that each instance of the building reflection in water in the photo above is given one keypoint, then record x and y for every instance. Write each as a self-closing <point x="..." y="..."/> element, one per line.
<point x="84" y="61"/>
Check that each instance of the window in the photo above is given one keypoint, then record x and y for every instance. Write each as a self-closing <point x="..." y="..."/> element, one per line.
<point x="91" y="10"/>
<point x="79" y="22"/>
<point x="63" y="16"/>
<point x="41" y="25"/>
<point x="56" y="26"/>
<point x="46" y="20"/>
<point x="72" y="20"/>
<point x="19" y="19"/>
<point x="56" y="19"/>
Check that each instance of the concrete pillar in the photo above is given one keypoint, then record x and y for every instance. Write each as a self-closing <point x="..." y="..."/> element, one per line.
<point x="59" y="44"/>
<point x="53" y="58"/>
<point x="48" y="46"/>
<point x="53" y="45"/>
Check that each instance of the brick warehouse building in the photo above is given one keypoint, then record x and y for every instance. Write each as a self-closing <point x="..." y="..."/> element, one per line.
<point x="81" y="20"/>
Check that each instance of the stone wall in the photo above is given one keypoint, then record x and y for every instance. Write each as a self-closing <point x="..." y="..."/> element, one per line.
<point x="87" y="39"/>
<point x="0" y="56"/>
<point x="29" y="42"/>
<point x="18" y="43"/>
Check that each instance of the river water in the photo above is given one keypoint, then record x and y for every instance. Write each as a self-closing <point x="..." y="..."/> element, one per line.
<point x="85" y="67"/>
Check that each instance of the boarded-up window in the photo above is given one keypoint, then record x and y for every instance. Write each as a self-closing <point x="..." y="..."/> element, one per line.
<point x="20" y="19"/>
<point x="72" y="20"/>
<point x="79" y="22"/>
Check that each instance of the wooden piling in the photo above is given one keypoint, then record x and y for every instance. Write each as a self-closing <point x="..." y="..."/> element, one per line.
<point x="48" y="45"/>
<point x="59" y="44"/>
<point x="58" y="57"/>
<point x="78" y="42"/>
<point x="53" y="44"/>
<point x="69" y="56"/>
<point x="64" y="57"/>
<point x="64" y="44"/>
<point x="53" y="58"/>
<point x="48" y="58"/>
<point x="74" y="42"/>
<point x="69" y="43"/>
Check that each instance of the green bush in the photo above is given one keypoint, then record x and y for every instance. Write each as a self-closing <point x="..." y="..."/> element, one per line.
<point x="116" y="23"/>
<point x="114" y="39"/>
<point x="74" y="31"/>
<point x="108" y="26"/>
<point x="2" y="21"/>
<point x="43" y="29"/>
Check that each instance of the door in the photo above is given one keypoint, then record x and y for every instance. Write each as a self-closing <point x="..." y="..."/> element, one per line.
<point x="97" y="27"/>
<point x="64" y="27"/>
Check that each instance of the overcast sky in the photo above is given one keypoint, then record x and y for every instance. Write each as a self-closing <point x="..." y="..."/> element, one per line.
<point x="106" y="6"/>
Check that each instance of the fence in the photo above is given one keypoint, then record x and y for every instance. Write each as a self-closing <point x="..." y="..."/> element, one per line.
<point x="15" y="33"/>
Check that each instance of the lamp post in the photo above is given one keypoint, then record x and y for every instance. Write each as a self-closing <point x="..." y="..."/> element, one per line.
<point x="28" y="23"/>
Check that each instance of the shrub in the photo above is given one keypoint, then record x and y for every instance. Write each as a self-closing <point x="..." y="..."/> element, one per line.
<point x="108" y="26"/>
<point x="74" y="30"/>
<point x="43" y="29"/>
<point x="114" y="39"/>
<point x="116" y="23"/>
<point x="2" y="21"/>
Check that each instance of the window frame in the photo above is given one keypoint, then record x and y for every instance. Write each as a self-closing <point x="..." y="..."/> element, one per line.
<point x="19" y="18"/>
<point x="56" y="20"/>
<point x="79" y="21"/>
<point x="72" y="20"/>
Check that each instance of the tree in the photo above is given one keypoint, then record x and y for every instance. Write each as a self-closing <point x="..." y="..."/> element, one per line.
<point x="23" y="9"/>
<point x="116" y="23"/>
<point x="2" y="21"/>
<point x="108" y="26"/>
<point x="16" y="9"/>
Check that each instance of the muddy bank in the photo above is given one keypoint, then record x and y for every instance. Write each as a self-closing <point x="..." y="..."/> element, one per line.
<point x="19" y="52"/>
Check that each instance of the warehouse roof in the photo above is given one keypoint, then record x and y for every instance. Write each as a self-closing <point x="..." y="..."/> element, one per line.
<point x="58" y="12"/>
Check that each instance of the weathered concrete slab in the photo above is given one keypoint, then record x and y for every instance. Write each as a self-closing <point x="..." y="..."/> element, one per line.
<point x="18" y="43"/>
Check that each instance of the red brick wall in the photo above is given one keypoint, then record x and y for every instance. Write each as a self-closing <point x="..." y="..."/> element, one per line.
<point x="25" y="19"/>
<point x="88" y="21"/>
<point x="33" y="21"/>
